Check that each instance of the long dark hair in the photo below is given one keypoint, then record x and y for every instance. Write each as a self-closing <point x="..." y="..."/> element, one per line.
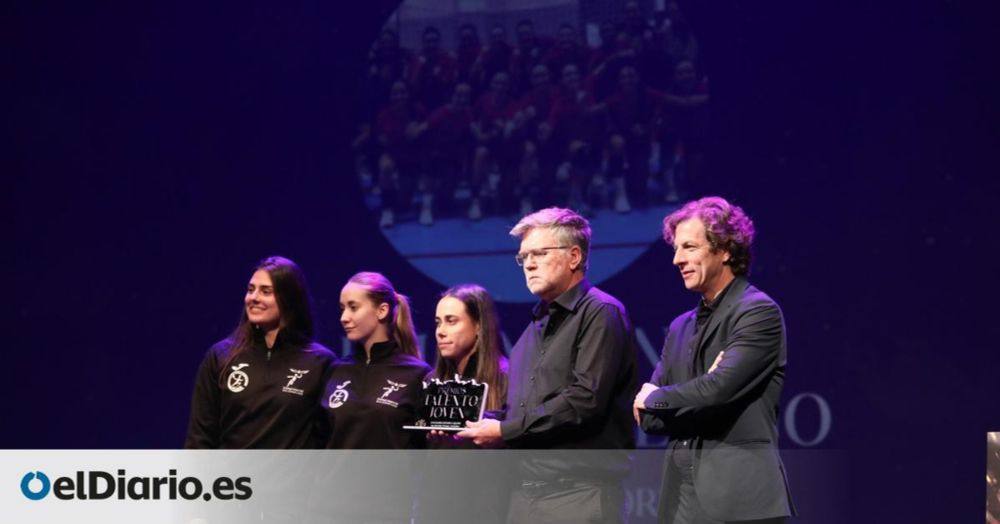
<point x="491" y="366"/>
<point x="380" y="291"/>
<point x="294" y="302"/>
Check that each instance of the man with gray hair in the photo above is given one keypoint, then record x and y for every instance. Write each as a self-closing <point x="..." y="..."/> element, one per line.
<point x="572" y="378"/>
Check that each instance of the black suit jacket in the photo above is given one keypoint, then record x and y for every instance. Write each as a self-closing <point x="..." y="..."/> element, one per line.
<point x="732" y="412"/>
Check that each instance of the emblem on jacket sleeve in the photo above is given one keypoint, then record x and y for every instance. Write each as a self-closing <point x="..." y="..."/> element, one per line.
<point x="296" y="374"/>
<point x="238" y="379"/>
<point x="339" y="396"/>
<point x="391" y="388"/>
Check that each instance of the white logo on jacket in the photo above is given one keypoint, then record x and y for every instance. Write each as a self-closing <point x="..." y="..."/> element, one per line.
<point x="296" y="374"/>
<point x="391" y="388"/>
<point x="238" y="380"/>
<point x="339" y="396"/>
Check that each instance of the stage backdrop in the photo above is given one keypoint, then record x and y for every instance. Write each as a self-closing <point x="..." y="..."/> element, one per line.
<point x="156" y="151"/>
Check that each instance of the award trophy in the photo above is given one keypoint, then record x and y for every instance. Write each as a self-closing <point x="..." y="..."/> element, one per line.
<point x="448" y="404"/>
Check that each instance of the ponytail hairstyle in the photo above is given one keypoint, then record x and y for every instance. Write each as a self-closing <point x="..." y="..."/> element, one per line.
<point x="491" y="366"/>
<point x="291" y="292"/>
<point x="380" y="291"/>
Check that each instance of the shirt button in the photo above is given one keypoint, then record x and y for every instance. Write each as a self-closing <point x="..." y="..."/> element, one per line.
<point x="522" y="404"/>
<point x="532" y="378"/>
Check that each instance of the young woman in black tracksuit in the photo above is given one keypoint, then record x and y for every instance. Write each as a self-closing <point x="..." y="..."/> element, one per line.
<point x="469" y="345"/>
<point x="370" y="395"/>
<point x="260" y="387"/>
<point x="373" y="392"/>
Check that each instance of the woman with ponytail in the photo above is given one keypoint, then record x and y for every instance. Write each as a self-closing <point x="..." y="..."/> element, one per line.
<point x="259" y="387"/>
<point x="372" y="393"/>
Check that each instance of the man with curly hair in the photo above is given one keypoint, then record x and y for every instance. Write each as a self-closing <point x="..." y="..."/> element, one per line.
<point x="716" y="389"/>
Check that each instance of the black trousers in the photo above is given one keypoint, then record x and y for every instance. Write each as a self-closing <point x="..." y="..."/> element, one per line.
<point x="567" y="501"/>
<point x="681" y="505"/>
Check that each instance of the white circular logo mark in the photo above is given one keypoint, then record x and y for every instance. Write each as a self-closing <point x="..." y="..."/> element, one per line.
<point x="238" y="380"/>
<point x="339" y="396"/>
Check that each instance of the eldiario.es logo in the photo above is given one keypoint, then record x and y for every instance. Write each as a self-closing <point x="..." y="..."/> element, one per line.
<point x="101" y="485"/>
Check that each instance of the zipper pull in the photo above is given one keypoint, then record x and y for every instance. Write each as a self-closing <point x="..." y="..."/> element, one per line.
<point x="269" y="355"/>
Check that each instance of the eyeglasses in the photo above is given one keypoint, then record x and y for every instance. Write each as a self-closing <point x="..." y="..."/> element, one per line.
<point x="536" y="254"/>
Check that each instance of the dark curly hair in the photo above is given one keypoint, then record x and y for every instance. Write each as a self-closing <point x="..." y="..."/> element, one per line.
<point x="727" y="227"/>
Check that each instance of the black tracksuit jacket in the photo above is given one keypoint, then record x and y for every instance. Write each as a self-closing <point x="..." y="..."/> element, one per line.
<point x="268" y="398"/>
<point x="368" y="403"/>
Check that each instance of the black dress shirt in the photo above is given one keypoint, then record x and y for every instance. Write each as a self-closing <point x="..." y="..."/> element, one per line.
<point x="698" y="363"/>
<point x="573" y="375"/>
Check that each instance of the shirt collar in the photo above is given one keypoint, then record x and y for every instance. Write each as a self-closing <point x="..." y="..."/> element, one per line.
<point x="707" y="308"/>
<point x="569" y="300"/>
<point x="260" y="342"/>
<point x="451" y="369"/>
<point x="380" y="350"/>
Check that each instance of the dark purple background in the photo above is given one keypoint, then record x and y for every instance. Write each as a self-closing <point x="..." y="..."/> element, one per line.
<point x="157" y="151"/>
